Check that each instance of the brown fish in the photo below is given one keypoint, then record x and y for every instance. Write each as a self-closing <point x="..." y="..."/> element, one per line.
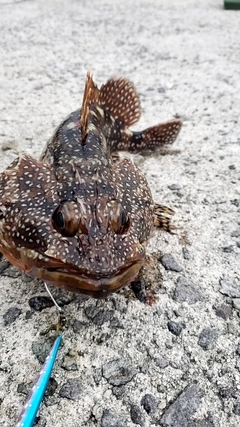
<point x="80" y="217"/>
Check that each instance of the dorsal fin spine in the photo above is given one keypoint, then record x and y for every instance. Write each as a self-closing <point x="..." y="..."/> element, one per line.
<point x="118" y="96"/>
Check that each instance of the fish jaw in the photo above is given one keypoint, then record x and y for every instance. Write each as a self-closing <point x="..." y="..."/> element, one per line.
<point x="56" y="273"/>
<point x="86" y="283"/>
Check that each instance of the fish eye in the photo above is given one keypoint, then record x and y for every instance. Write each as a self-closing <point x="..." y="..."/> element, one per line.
<point x="59" y="219"/>
<point x="66" y="218"/>
<point x="124" y="218"/>
<point x="119" y="218"/>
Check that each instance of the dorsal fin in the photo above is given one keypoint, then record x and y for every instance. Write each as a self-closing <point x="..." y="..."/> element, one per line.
<point x="91" y="94"/>
<point x="119" y="96"/>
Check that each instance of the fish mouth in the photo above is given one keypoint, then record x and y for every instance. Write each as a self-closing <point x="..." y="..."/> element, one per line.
<point x="83" y="283"/>
<point x="76" y="280"/>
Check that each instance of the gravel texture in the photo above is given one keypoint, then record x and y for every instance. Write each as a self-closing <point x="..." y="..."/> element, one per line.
<point x="120" y="364"/>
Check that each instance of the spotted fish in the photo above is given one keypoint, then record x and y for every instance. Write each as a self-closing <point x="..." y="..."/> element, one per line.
<point x="80" y="217"/>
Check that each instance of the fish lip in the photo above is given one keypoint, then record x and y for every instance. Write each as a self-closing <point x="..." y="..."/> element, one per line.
<point x="91" y="276"/>
<point x="84" y="283"/>
<point x="77" y="280"/>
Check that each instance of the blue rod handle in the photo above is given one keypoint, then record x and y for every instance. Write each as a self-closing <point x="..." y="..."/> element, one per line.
<point x="31" y="407"/>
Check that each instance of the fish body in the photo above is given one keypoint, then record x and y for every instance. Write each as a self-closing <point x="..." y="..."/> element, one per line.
<point x="81" y="216"/>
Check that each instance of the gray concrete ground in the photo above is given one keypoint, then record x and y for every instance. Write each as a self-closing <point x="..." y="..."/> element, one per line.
<point x="122" y="363"/>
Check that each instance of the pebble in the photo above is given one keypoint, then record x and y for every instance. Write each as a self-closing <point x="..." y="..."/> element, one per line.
<point x="161" y="362"/>
<point x="41" y="348"/>
<point x="144" y="369"/>
<point x="98" y="316"/>
<point x="12" y="272"/>
<point x="169" y="263"/>
<point x="23" y="388"/>
<point x="116" y="323"/>
<point x="228" y="393"/>
<point x="233" y="328"/>
<point x="186" y="291"/>
<point x="40" y="421"/>
<point x="158" y="312"/>
<point x="9" y="145"/>
<point x="224" y="311"/>
<point x="72" y="389"/>
<point x="11" y="315"/>
<point x="118" y="372"/>
<point x="26" y="278"/>
<point x="51" y="400"/>
<point x="64" y="298"/>
<point x="230" y="289"/>
<point x="228" y="249"/>
<point x="180" y="311"/>
<point x="51" y="387"/>
<point x="91" y="311"/>
<point x="175" y="327"/>
<point x="69" y="362"/>
<point x="236" y="409"/>
<point x="174" y="187"/>
<point x="225" y="368"/>
<point x="5" y="367"/>
<point x="29" y="314"/>
<point x="208" y="338"/>
<point x="180" y="412"/>
<point x="4" y="264"/>
<point x="110" y="419"/>
<point x="238" y="244"/>
<point x="161" y="389"/>
<point x="236" y="233"/>
<point x="149" y="403"/>
<point x="39" y="303"/>
<point x="136" y="415"/>
<point x="118" y="391"/>
<point x="139" y="289"/>
<point x="236" y="303"/>
<point x="235" y="202"/>
<point x="187" y="254"/>
<point x="80" y="300"/>
<point x="78" y="325"/>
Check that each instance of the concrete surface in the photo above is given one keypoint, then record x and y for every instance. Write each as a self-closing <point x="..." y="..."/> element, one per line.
<point x="176" y="363"/>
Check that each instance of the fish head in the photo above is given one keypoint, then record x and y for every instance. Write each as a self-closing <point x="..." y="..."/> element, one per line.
<point x="84" y="245"/>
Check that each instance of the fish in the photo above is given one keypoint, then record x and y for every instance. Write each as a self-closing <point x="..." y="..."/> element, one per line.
<point x="80" y="217"/>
